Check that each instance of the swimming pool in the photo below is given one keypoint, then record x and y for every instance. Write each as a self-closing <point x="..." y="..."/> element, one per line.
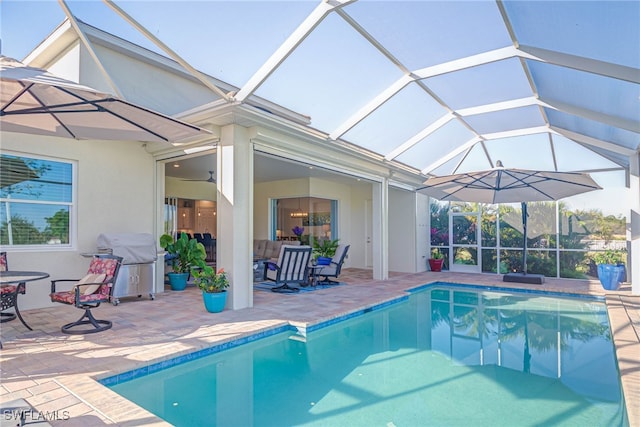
<point x="447" y="355"/>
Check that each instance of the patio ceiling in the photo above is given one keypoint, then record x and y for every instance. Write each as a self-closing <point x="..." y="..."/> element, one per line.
<point x="439" y="87"/>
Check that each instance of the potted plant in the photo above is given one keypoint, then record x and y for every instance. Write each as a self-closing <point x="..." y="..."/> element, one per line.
<point x="213" y="286"/>
<point x="611" y="269"/>
<point x="184" y="254"/>
<point x="436" y="260"/>
<point x="324" y="250"/>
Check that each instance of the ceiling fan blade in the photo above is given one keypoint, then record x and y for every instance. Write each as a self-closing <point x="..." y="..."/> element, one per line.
<point x="211" y="179"/>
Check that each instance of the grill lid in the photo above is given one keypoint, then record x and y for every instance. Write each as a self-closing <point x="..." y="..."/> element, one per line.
<point x="134" y="248"/>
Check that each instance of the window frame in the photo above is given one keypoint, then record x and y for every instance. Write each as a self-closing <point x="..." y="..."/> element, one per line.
<point x="73" y="205"/>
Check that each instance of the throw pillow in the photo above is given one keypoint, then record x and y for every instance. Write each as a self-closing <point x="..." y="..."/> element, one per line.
<point x="90" y="278"/>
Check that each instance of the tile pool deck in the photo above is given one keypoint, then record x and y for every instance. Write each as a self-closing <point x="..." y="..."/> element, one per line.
<point x="57" y="372"/>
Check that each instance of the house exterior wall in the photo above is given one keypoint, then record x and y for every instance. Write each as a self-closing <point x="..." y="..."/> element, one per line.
<point x="146" y="84"/>
<point x="360" y="196"/>
<point x="115" y="194"/>
<point x="402" y="235"/>
<point x="423" y="231"/>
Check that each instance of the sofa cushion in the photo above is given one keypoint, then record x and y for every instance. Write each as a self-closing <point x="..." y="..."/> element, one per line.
<point x="259" y="247"/>
<point x="273" y="249"/>
<point x="270" y="249"/>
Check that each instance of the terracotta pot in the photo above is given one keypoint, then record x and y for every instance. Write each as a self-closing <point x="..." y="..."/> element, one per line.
<point x="435" y="264"/>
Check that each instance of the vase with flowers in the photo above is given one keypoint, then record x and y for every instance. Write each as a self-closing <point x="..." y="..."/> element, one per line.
<point x="298" y="232"/>
<point x="213" y="285"/>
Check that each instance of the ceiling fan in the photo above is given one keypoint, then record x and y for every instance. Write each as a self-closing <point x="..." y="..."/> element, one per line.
<point x="211" y="179"/>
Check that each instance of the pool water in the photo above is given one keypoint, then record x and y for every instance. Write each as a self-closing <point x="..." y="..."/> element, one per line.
<point x="446" y="356"/>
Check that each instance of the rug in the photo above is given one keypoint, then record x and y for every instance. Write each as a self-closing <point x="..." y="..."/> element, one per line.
<point x="267" y="286"/>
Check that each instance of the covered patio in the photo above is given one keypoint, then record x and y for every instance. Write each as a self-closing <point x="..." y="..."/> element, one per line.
<point x="386" y="94"/>
<point x="57" y="372"/>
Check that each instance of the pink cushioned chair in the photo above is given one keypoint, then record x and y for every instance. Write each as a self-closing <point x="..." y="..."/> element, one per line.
<point x="9" y="295"/>
<point x="84" y="297"/>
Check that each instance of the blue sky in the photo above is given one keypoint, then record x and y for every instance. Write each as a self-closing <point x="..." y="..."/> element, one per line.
<point x="232" y="39"/>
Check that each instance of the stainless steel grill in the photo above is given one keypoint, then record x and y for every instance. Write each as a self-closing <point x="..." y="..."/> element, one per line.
<point x="137" y="274"/>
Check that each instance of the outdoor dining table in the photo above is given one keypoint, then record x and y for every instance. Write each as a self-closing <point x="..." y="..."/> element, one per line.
<point x="19" y="278"/>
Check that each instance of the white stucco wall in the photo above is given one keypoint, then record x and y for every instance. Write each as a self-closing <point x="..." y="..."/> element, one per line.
<point x="402" y="231"/>
<point x="115" y="193"/>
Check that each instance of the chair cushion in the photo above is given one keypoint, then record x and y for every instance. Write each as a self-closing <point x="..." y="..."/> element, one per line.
<point x="7" y="289"/>
<point x="98" y="279"/>
<point x="68" y="297"/>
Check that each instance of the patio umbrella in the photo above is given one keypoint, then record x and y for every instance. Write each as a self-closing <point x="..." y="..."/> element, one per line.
<point x="34" y="101"/>
<point x="508" y="185"/>
<point x="14" y="170"/>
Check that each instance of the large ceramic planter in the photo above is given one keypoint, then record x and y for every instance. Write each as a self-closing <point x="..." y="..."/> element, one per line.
<point x="214" y="302"/>
<point x="436" y="264"/>
<point x="610" y="276"/>
<point x="178" y="281"/>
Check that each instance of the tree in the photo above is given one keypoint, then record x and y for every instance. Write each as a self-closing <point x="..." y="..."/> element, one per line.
<point x="24" y="232"/>
<point x="58" y="226"/>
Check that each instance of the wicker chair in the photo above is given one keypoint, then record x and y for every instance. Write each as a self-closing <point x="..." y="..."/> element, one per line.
<point x="95" y="288"/>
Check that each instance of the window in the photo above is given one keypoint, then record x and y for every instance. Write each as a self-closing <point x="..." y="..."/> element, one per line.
<point x="307" y="216"/>
<point x="36" y="199"/>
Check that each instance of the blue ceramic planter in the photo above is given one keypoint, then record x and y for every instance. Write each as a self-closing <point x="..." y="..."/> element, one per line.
<point x="323" y="260"/>
<point x="214" y="302"/>
<point x="178" y="281"/>
<point x="611" y="276"/>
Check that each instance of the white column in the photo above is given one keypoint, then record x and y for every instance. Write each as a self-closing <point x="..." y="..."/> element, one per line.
<point x="380" y="223"/>
<point x="633" y="233"/>
<point x="235" y="213"/>
<point x="423" y="231"/>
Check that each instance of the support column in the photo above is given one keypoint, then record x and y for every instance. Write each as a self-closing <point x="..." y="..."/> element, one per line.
<point x="234" y="178"/>
<point x="380" y="222"/>
<point x="633" y="231"/>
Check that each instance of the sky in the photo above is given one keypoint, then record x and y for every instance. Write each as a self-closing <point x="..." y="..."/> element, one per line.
<point x="231" y="40"/>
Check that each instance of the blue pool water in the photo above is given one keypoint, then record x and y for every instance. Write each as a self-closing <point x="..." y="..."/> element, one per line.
<point x="445" y="356"/>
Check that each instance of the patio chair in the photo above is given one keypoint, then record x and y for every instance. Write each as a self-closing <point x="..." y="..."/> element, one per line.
<point x="292" y="267"/>
<point x="88" y="293"/>
<point x="209" y="246"/>
<point x="9" y="296"/>
<point x="334" y="268"/>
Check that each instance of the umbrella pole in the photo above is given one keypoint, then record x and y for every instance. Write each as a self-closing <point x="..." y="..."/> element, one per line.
<point x="524" y="277"/>
<point x="524" y="236"/>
